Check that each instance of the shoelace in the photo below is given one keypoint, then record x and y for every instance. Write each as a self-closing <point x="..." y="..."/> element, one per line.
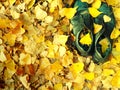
<point x="83" y="24"/>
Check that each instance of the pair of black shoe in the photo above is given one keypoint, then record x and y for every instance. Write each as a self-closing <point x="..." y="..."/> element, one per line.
<point x="83" y="24"/>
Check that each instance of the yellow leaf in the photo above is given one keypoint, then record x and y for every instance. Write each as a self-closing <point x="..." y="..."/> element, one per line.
<point x="104" y="43"/>
<point x="25" y="59"/>
<point x="2" y="57"/>
<point x="97" y="28"/>
<point x="118" y="39"/>
<point x="11" y="2"/>
<point x="112" y="2"/>
<point x="27" y="1"/>
<point x="67" y="59"/>
<point x="51" y="51"/>
<point x="8" y="74"/>
<point x="96" y="4"/>
<point x="76" y="68"/>
<point x="10" y="38"/>
<point x="117" y="46"/>
<point x="39" y="39"/>
<point x="40" y="13"/>
<point x="116" y="54"/>
<point x="4" y="23"/>
<point x="24" y="81"/>
<point x="86" y="39"/>
<point x="78" y="86"/>
<point x="10" y="68"/>
<point x="94" y="12"/>
<point x="43" y="87"/>
<point x="60" y="39"/>
<point x="52" y="70"/>
<point x="79" y="79"/>
<point x="58" y="86"/>
<point x="10" y="64"/>
<point x="116" y="80"/>
<point x="116" y="12"/>
<point x="62" y="51"/>
<point x="48" y="19"/>
<point x="88" y="1"/>
<point x="68" y="12"/>
<point x="49" y="1"/>
<point x="113" y="60"/>
<point x="31" y="3"/>
<point x="44" y="62"/>
<point x="89" y="75"/>
<point x="115" y="33"/>
<point x="25" y="39"/>
<point x="56" y="67"/>
<point x="106" y="82"/>
<point x="53" y="5"/>
<point x="106" y="18"/>
<point x="108" y="72"/>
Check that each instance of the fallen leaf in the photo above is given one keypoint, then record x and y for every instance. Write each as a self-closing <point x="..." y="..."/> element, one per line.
<point x="10" y="38"/>
<point x="106" y="18"/>
<point x="20" y="71"/>
<point x="113" y="2"/>
<point x="24" y="81"/>
<point x="86" y="39"/>
<point x="89" y="75"/>
<point x="108" y="72"/>
<point x="94" y="12"/>
<point x="14" y="13"/>
<point x="104" y="43"/>
<point x="48" y="19"/>
<point x="25" y="59"/>
<point x="2" y="56"/>
<point x="1" y="67"/>
<point x="62" y="51"/>
<point x="117" y="46"/>
<point x="53" y="5"/>
<point x="11" y="2"/>
<point x="76" y="68"/>
<point x="31" y="3"/>
<point x="40" y="14"/>
<point x="67" y="59"/>
<point x="116" y="54"/>
<point x="107" y="82"/>
<point x="60" y="39"/>
<point x="97" y="28"/>
<point x="52" y="70"/>
<point x="4" y="23"/>
<point x="96" y="4"/>
<point x="44" y="63"/>
<point x="115" y="33"/>
<point x="115" y="82"/>
<point x="10" y="64"/>
<point x="68" y="12"/>
<point x="58" y="86"/>
<point x="88" y="1"/>
<point x="116" y="13"/>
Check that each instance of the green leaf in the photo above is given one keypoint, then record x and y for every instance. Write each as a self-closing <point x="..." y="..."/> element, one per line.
<point x="86" y="39"/>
